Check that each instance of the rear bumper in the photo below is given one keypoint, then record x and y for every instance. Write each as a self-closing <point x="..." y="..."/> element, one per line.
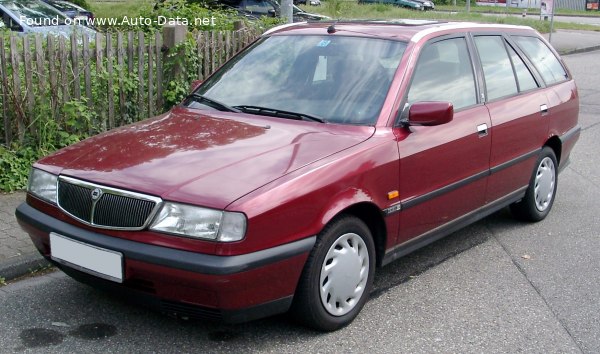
<point x="230" y="288"/>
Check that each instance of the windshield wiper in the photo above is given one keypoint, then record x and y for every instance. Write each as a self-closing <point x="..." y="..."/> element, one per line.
<point x="272" y="112"/>
<point x="213" y="103"/>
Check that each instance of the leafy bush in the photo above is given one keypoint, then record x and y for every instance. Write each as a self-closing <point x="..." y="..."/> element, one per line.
<point x="14" y="166"/>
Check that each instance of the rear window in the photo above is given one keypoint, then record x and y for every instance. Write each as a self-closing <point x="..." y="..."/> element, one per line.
<point x="543" y="59"/>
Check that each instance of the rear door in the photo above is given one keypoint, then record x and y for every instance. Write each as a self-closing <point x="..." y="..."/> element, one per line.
<point x="518" y="107"/>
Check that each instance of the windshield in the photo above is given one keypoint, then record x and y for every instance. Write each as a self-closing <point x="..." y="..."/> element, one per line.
<point x="333" y="78"/>
<point x="35" y="13"/>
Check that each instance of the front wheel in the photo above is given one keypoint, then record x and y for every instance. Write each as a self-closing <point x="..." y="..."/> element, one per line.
<point x="337" y="277"/>
<point x="538" y="199"/>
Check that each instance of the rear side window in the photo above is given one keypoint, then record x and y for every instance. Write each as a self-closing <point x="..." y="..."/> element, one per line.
<point x="497" y="67"/>
<point x="444" y="73"/>
<point x="542" y="58"/>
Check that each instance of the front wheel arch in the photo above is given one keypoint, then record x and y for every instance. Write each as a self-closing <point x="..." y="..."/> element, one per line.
<point x="308" y="306"/>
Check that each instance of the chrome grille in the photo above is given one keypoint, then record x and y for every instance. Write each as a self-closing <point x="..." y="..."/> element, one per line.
<point x="109" y="211"/>
<point x="108" y="208"/>
<point x="76" y="200"/>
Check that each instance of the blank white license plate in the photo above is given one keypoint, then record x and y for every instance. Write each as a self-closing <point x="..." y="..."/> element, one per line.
<point x="94" y="260"/>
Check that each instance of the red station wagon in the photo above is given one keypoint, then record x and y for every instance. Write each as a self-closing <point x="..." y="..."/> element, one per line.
<point x="317" y="154"/>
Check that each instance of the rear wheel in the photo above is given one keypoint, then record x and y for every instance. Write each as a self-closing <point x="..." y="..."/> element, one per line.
<point x="538" y="199"/>
<point x="337" y="277"/>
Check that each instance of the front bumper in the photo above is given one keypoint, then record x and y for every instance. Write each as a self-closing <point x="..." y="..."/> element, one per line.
<point x="229" y="288"/>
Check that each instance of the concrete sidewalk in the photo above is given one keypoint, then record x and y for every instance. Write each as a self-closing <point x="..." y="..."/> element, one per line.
<point x="19" y="257"/>
<point x="572" y="42"/>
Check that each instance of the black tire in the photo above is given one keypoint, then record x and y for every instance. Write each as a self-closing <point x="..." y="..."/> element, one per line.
<point x="528" y="209"/>
<point x="309" y="306"/>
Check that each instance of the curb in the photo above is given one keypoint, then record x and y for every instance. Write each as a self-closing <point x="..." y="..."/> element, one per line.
<point x="580" y="50"/>
<point x="22" y="265"/>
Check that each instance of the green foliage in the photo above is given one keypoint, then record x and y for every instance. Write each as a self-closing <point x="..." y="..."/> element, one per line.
<point x="50" y="135"/>
<point x="334" y="8"/>
<point x="14" y="166"/>
<point x="266" y="22"/>
<point x="182" y="65"/>
<point x="81" y="3"/>
<point x="195" y="15"/>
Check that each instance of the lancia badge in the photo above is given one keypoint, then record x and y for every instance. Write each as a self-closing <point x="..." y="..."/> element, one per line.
<point x="96" y="194"/>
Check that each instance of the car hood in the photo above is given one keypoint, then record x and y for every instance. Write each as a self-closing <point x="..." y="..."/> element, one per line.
<point x="207" y="158"/>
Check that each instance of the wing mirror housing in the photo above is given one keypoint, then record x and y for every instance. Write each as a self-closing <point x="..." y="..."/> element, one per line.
<point x="430" y="113"/>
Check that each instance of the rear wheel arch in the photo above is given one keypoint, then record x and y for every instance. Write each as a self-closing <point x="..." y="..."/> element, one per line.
<point x="555" y="144"/>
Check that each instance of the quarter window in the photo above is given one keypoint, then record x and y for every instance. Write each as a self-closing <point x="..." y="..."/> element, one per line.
<point x="525" y="79"/>
<point x="542" y="58"/>
<point x="444" y="73"/>
<point x="497" y="68"/>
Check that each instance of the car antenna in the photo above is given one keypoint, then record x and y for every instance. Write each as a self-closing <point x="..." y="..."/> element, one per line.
<point x="331" y="29"/>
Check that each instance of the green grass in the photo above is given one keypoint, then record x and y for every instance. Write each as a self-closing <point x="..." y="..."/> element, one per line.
<point x="514" y="10"/>
<point x="348" y="9"/>
<point x="120" y="8"/>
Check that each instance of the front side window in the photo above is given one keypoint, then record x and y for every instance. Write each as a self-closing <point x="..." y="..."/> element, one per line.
<point x="543" y="59"/>
<point x="338" y="79"/>
<point x="497" y="67"/>
<point x="444" y="73"/>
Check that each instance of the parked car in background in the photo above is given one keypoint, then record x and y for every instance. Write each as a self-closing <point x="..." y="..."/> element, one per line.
<point x="35" y="16"/>
<point x="322" y="151"/>
<point x="427" y="4"/>
<point x="410" y="4"/>
<point x="308" y="2"/>
<point x="71" y="10"/>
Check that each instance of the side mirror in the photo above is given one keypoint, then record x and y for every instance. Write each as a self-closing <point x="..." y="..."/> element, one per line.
<point x="194" y="85"/>
<point x="430" y="113"/>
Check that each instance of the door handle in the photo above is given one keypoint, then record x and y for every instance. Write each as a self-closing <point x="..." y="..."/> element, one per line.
<point x="544" y="109"/>
<point x="482" y="130"/>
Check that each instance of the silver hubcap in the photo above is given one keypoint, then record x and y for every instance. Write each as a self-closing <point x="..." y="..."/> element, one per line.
<point x="344" y="274"/>
<point x="545" y="179"/>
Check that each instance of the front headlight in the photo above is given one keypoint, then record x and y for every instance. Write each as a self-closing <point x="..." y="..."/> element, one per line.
<point x="198" y="222"/>
<point x="43" y="185"/>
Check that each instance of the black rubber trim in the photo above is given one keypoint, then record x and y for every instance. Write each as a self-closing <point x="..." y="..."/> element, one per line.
<point x="169" y="257"/>
<point x="452" y="226"/>
<point x="456" y="185"/>
<point x="446" y="189"/>
<point x="514" y="161"/>
<point x="571" y="134"/>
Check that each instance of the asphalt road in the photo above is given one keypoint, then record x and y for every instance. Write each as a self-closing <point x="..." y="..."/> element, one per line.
<point x="496" y="286"/>
<point x="582" y="20"/>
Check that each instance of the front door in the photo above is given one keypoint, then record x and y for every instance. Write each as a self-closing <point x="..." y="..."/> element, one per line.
<point x="443" y="169"/>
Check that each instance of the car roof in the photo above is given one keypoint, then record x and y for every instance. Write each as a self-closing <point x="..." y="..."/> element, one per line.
<point x="401" y="29"/>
